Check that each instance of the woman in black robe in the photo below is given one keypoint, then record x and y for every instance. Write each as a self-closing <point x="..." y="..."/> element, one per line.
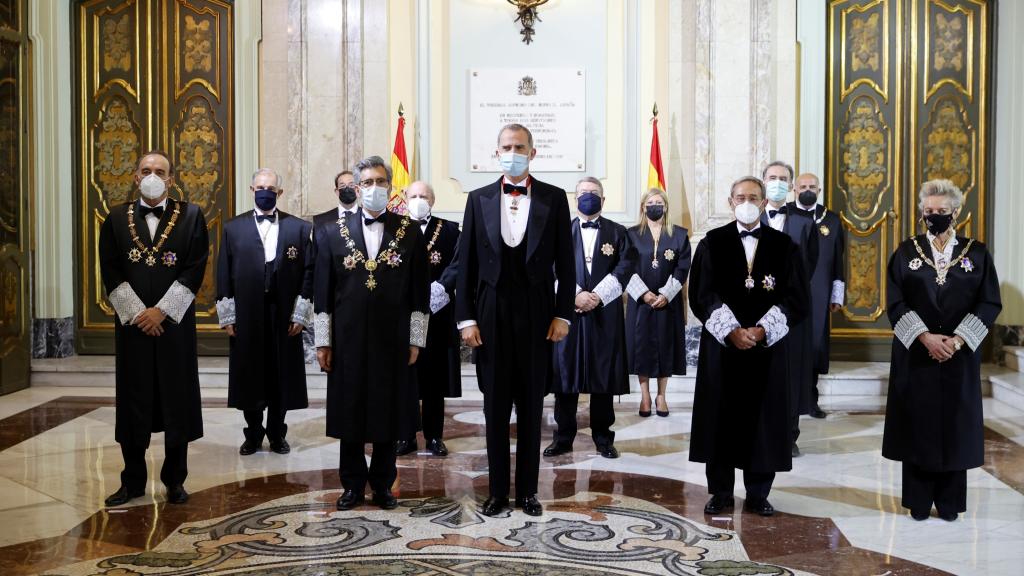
<point x="656" y="315"/>
<point x="943" y="296"/>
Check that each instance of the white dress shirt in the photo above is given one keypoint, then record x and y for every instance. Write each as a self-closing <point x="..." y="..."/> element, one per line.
<point x="779" y="221"/>
<point x="151" y="220"/>
<point x="372" y="235"/>
<point x="268" y="230"/>
<point x="749" y="242"/>
<point x="588" y="236"/>
<point x="424" y="224"/>
<point x="342" y="211"/>
<point x="513" y="222"/>
<point x="944" y="257"/>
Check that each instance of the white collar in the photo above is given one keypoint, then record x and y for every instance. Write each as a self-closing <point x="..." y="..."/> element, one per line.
<point x="743" y="228"/>
<point x="949" y="245"/>
<point x="162" y="204"/>
<point x="528" y="182"/>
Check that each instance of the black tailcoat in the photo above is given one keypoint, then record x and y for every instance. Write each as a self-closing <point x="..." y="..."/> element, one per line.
<point x="741" y="403"/>
<point x="592" y="358"/>
<point x="240" y="276"/>
<point x="439" y="368"/>
<point x="933" y="415"/>
<point x="370" y="395"/>
<point x="656" y="339"/>
<point x="157" y="378"/>
<point x="549" y="257"/>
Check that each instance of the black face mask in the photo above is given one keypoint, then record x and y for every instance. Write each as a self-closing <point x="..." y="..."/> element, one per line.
<point x="808" y="198"/>
<point x="347" y="195"/>
<point x="654" y="212"/>
<point x="938" y="223"/>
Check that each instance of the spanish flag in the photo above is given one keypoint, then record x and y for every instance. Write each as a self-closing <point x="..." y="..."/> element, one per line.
<point x="656" y="172"/>
<point x="399" y="168"/>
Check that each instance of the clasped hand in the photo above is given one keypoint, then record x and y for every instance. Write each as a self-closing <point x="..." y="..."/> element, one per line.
<point x="746" y="338"/>
<point x="150" y="321"/>
<point x="587" y="301"/>
<point x="940" y="348"/>
<point x="656" y="301"/>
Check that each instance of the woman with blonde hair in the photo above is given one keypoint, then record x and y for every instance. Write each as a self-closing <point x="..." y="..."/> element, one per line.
<point x="942" y="298"/>
<point x="655" y="316"/>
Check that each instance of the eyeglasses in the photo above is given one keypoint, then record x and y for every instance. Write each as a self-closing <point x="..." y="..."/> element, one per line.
<point x="382" y="182"/>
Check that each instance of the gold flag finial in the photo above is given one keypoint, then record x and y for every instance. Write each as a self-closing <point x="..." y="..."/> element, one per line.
<point x="401" y="109"/>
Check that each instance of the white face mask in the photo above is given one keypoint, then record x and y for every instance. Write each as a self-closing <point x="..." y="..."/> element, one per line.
<point x="747" y="213"/>
<point x="376" y="198"/>
<point x="152" y="187"/>
<point x="776" y="190"/>
<point x="419" y="208"/>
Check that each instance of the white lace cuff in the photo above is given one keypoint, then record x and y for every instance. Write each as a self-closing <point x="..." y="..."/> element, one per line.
<point x="126" y="303"/>
<point x="909" y="327"/>
<point x="322" y="330"/>
<point x="972" y="330"/>
<point x="774" y="324"/>
<point x="418" y="324"/>
<point x="671" y="288"/>
<point x="226" y="312"/>
<point x="838" y="292"/>
<point x="176" y="301"/>
<point x="439" y="298"/>
<point x="721" y="322"/>
<point x="302" y="313"/>
<point x="608" y="289"/>
<point x="636" y="287"/>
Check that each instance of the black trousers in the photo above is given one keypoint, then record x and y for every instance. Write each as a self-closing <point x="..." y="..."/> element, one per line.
<point x="946" y="489"/>
<point x="172" y="473"/>
<point x="602" y="416"/>
<point x="432" y="414"/>
<point x="275" y="428"/>
<point x="353" y="471"/>
<point x="722" y="478"/>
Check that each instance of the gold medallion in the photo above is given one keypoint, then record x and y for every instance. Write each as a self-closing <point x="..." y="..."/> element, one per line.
<point x="607" y="249"/>
<point x="292" y="252"/>
<point x="134" y="255"/>
<point x="749" y="283"/>
<point x="150" y="260"/>
<point x="371" y="283"/>
<point x="824" y="230"/>
<point x="370" y="266"/>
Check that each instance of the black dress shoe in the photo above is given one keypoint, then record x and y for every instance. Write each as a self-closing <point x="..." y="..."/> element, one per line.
<point x="817" y="412"/>
<point x="403" y="447"/>
<point x="177" y="494"/>
<point x="437" y="447"/>
<point x="385" y="500"/>
<point x="122" y="496"/>
<point x="530" y="505"/>
<point x="718" y="504"/>
<point x="250" y="447"/>
<point x="280" y="446"/>
<point x="494" y="506"/>
<point x="759" y="505"/>
<point x="948" y="516"/>
<point x="920" y="515"/>
<point x="349" y="500"/>
<point x="795" y="451"/>
<point x="608" y="451"/>
<point x="557" y="449"/>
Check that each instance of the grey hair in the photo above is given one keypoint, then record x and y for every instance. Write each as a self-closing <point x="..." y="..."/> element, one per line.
<point x="764" y="173"/>
<point x="516" y="128"/>
<point x="754" y="179"/>
<point x="592" y="180"/>
<point x="278" y="181"/>
<point x="944" y="188"/>
<point x="371" y="162"/>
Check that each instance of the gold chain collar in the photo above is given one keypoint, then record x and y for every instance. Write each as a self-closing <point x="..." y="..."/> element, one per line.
<point x="390" y="256"/>
<point x="136" y="254"/>
<point x="940" y="272"/>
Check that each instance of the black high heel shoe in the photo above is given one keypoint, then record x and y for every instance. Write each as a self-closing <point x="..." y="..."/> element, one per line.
<point x="662" y="413"/>
<point x="644" y="413"/>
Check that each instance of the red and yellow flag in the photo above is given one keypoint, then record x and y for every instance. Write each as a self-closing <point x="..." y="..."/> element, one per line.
<point x="399" y="168"/>
<point x="656" y="172"/>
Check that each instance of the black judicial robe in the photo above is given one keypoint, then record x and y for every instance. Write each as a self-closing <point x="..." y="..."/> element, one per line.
<point x="592" y="358"/>
<point x="439" y="368"/>
<point x="830" y="266"/>
<point x="240" y="276"/>
<point x="156" y="378"/>
<point x="370" y="395"/>
<point x="800" y="228"/>
<point x="933" y="415"/>
<point x="656" y="339"/>
<point x="741" y="403"/>
<point x="549" y="257"/>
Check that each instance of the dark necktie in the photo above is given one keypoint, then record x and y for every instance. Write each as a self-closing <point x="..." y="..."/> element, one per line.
<point x="772" y="213"/>
<point x="368" y="221"/>
<point x="516" y="190"/>
<point x="591" y="224"/>
<point x="157" y="211"/>
<point x="266" y="217"/>
<point x="755" y="233"/>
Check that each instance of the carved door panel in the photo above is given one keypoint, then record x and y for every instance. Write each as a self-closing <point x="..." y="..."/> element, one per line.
<point x="151" y="74"/>
<point x="906" y="103"/>
<point x="15" y="347"/>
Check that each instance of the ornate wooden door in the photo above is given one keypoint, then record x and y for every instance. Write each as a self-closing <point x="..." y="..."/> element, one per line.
<point x="151" y="74"/>
<point x="15" y="347"/>
<point x="908" y="101"/>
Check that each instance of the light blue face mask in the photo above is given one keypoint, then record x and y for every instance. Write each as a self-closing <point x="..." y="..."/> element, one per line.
<point x="514" y="164"/>
<point x="776" y="190"/>
<point x="376" y="198"/>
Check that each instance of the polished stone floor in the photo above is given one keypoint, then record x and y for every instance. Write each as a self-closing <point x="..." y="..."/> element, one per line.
<point x="838" y="510"/>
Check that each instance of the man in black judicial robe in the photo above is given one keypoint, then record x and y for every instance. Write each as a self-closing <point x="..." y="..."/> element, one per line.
<point x="747" y="287"/>
<point x="264" y="300"/>
<point x="371" y="297"/>
<point x="152" y="255"/>
<point x="778" y="178"/>
<point x="438" y="371"/>
<point x="515" y="243"/>
<point x="592" y="358"/>
<point x="828" y="279"/>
